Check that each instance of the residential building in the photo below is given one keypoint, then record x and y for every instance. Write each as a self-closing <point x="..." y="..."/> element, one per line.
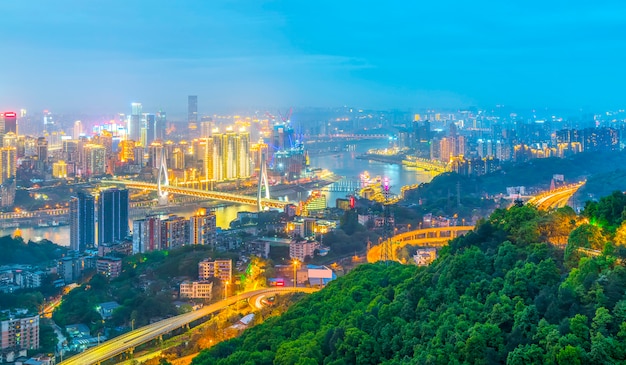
<point x="196" y="289"/>
<point x="82" y="225"/>
<point x="110" y="267"/>
<point x="222" y="269"/>
<point x="202" y="228"/>
<point x="19" y="329"/>
<point x="301" y="249"/>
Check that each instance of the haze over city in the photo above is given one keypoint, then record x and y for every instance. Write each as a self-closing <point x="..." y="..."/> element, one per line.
<point x="96" y="57"/>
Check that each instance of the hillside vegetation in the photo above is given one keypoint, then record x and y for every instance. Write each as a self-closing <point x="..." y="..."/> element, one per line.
<point x="520" y="289"/>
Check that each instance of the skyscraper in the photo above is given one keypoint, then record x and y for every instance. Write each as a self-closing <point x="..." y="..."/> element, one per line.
<point x="160" y="125"/>
<point x="8" y="163"/>
<point x="112" y="215"/>
<point x="134" y="123"/>
<point x="192" y="109"/>
<point x="9" y="122"/>
<point x="82" y="224"/>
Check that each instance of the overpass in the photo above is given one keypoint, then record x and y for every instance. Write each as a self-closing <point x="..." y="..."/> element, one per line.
<point x="129" y="341"/>
<point x="556" y="198"/>
<point x="427" y="237"/>
<point x="203" y="194"/>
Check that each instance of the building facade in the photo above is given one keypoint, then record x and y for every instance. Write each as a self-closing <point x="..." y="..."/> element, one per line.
<point x="112" y="215"/>
<point x="82" y="222"/>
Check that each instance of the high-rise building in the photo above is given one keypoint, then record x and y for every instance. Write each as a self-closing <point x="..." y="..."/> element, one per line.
<point x="192" y="110"/>
<point x="82" y="226"/>
<point x="202" y="228"/>
<point x="151" y="129"/>
<point x="174" y="232"/>
<point x="112" y="215"/>
<point x="231" y="155"/>
<point x="94" y="161"/>
<point x="42" y="151"/>
<point x="8" y="122"/>
<point x="78" y="129"/>
<point x="8" y="163"/>
<point x="146" y="234"/>
<point x="134" y="123"/>
<point x="160" y="124"/>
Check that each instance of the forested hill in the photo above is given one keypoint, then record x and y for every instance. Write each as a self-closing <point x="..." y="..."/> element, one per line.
<point x="503" y="294"/>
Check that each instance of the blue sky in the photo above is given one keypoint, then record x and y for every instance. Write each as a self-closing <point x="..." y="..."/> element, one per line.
<point x="99" y="56"/>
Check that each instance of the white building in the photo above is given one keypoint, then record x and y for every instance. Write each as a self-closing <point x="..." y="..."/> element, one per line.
<point x="196" y="289"/>
<point x="222" y="269"/>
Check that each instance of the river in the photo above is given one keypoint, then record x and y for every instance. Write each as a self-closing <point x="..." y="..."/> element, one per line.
<point x="341" y="163"/>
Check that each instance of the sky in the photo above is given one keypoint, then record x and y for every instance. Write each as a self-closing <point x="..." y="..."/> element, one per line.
<point x="99" y="56"/>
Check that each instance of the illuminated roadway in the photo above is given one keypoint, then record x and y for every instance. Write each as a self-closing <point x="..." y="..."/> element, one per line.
<point x="204" y="194"/>
<point x="557" y="198"/>
<point x="427" y="237"/>
<point x="129" y="341"/>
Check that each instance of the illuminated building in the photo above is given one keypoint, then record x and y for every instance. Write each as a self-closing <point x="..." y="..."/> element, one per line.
<point x="8" y="122"/>
<point x="126" y="150"/>
<point x="134" y="123"/>
<point x="202" y="228"/>
<point x="178" y="159"/>
<point x="231" y="155"/>
<point x="206" y="127"/>
<point x="196" y="289"/>
<point x="59" y="170"/>
<point x="174" y="232"/>
<point x="315" y="202"/>
<point x="154" y="153"/>
<point x="8" y="163"/>
<point x="94" y="160"/>
<point x="82" y="222"/>
<point x="19" y="330"/>
<point x="9" y="140"/>
<point x="257" y="150"/>
<point x="112" y="215"/>
<point x="192" y="112"/>
<point x="222" y="269"/>
<point x="146" y="234"/>
<point x="105" y="138"/>
<point x="48" y="121"/>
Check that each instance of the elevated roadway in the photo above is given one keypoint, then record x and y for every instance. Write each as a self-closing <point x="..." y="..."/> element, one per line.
<point x="557" y="198"/>
<point x="427" y="237"/>
<point x="204" y="194"/>
<point x="129" y="341"/>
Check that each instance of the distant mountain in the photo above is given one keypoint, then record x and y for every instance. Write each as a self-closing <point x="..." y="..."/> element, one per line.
<point x="503" y="294"/>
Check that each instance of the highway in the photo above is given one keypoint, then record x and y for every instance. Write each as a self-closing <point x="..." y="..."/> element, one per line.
<point x="129" y="341"/>
<point x="556" y="198"/>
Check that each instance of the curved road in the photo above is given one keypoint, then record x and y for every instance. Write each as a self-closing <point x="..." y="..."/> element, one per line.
<point x="555" y="199"/>
<point x="130" y="340"/>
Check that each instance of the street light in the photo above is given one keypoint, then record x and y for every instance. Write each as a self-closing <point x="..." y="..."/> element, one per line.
<point x="295" y="273"/>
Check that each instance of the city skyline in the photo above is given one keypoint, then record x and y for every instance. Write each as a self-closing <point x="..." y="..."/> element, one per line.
<point x="75" y="57"/>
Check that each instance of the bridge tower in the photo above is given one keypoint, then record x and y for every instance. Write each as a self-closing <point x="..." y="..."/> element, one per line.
<point x="162" y="180"/>
<point x="263" y="183"/>
<point x="386" y="253"/>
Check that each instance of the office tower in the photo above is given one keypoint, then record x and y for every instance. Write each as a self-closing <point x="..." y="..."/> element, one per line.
<point x="48" y="121"/>
<point x="202" y="228"/>
<point x="8" y="163"/>
<point x="160" y="125"/>
<point x="82" y="223"/>
<point x="78" y="129"/>
<point x="112" y="215"/>
<point x="151" y="129"/>
<point x="8" y="122"/>
<point x="192" y="110"/>
<point x="134" y="123"/>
